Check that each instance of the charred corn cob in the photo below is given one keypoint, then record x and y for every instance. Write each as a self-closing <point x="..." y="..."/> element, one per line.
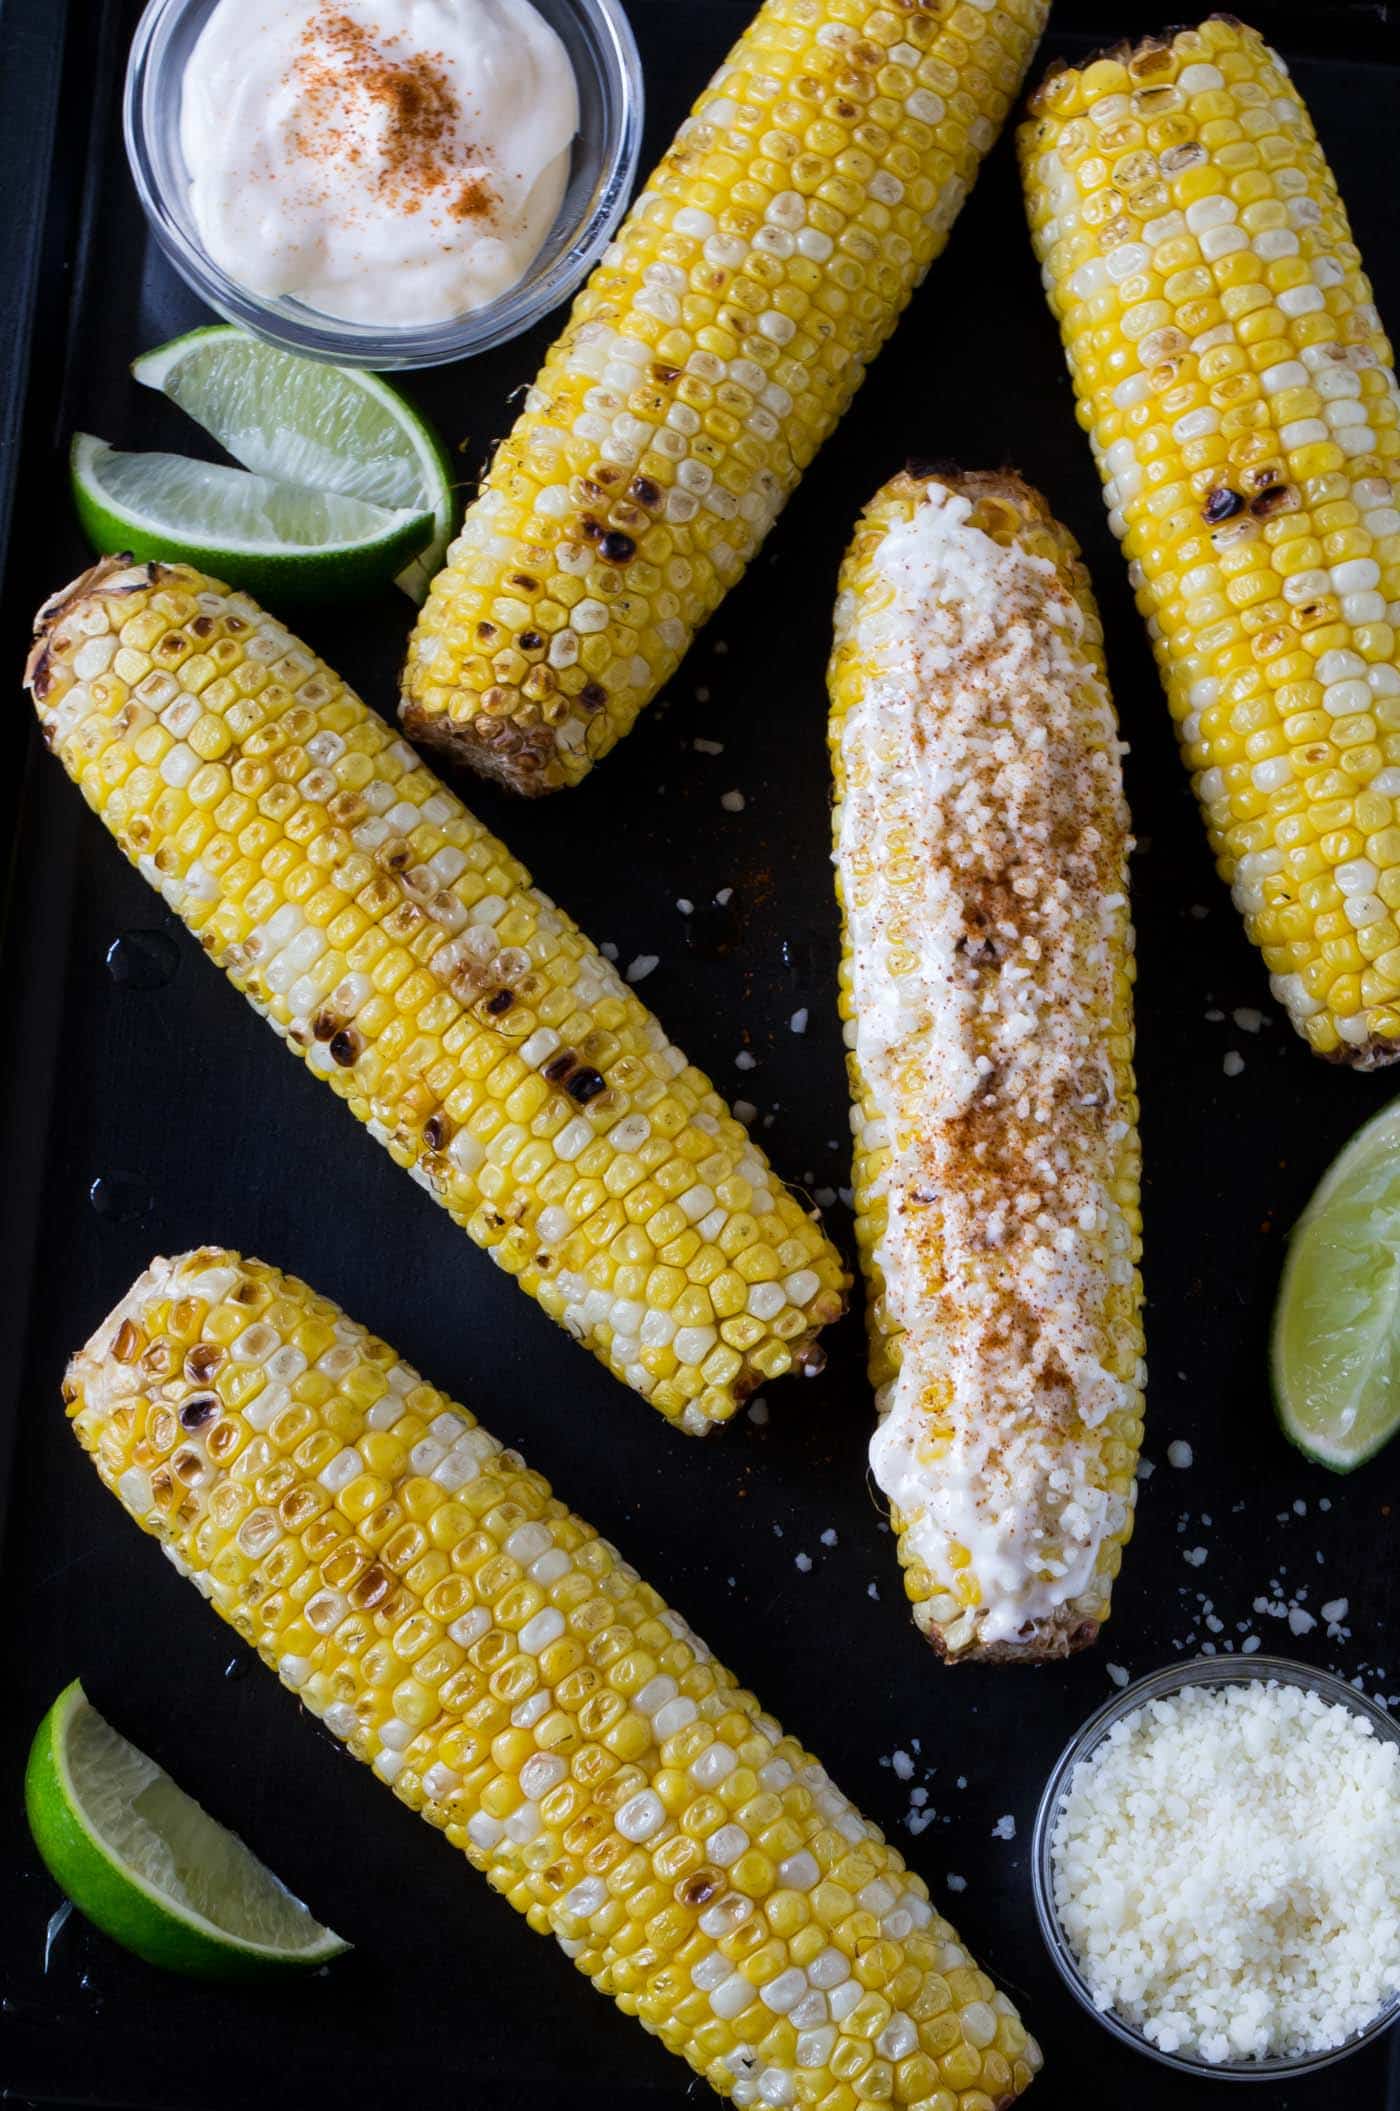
<point x="981" y="854"/>
<point x="500" y="1666"/>
<point x="708" y="357"/>
<point x="1239" y="392"/>
<point x="401" y="951"/>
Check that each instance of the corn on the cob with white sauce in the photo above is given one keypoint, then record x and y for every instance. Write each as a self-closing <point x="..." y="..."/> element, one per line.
<point x="1240" y="394"/>
<point x="710" y="354"/>
<point x="501" y="1667"/>
<point x="402" y="952"/>
<point x="981" y="854"/>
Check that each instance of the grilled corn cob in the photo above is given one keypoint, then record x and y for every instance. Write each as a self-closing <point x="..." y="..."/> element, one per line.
<point x="710" y="354"/>
<point x="981" y="852"/>
<point x="1239" y="392"/>
<point x="500" y="1666"/>
<point x="401" y="951"/>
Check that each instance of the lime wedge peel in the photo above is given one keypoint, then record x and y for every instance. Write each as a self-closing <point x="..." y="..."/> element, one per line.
<point x="142" y="1861"/>
<point x="272" y="538"/>
<point x="336" y="429"/>
<point x="1336" y="1332"/>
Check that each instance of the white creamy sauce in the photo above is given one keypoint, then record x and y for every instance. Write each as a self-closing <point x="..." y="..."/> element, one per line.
<point x="395" y="162"/>
<point x="965" y="758"/>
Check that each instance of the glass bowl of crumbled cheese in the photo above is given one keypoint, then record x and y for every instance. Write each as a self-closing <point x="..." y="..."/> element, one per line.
<point x="1216" y="1863"/>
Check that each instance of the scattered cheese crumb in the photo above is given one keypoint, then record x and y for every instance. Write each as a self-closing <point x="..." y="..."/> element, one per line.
<point x="1248" y="1019"/>
<point x="872" y="1590"/>
<point x="803" y="1562"/>
<point x="903" y="1766"/>
<point x="744" y="1061"/>
<point x="798" y="1021"/>
<point x="829" y="1537"/>
<point x="1195" y="1555"/>
<point x="732" y="802"/>
<point x="744" y="1111"/>
<point x="1299" y="1622"/>
<point x="1005" y="1828"/>
<point x="1336" y="1610"/>
<point x="608" y="949"/>
<point x="758" y="1411"/>
<point x="709" y="747"/>
<point x="1179" y="1453"/>
<point x="686" y="908"/>
<point x="1117" y="1673"/>
<point x="1223" y="1938"/>
<point x="955" y="1883"/>
<point x="725" y="897"/>
<point x="642" y="966"/>
<point x="1233" y="1063"/>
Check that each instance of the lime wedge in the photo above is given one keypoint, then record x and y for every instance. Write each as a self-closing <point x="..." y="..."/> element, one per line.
<point x="142" y="1861"/>
<point x="275" y="539"/>
<point x="1336" y="1338"/>
<point x="330" y="428"/>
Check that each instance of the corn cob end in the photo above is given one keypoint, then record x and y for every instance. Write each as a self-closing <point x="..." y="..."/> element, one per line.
<point x="522" y="757"/>
<point x="101" y="577"/>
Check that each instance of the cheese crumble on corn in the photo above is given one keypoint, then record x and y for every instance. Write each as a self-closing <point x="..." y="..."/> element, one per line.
<point x="514" y="1681"/>
<point x="401" y="951"/>
<point x="1239" y="391"/>
<point x="981" y="853"/>
<point x="710" y="354"/>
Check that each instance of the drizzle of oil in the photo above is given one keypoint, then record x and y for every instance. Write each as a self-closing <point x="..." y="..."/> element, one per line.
<point x="142" y="960"/>
<point x="55" y="1929"/>
<point x="122" y="1198"/>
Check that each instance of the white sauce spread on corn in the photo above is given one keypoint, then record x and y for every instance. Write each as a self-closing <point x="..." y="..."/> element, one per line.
<point x="1227" y="1871"/>
<point x="984" y="941"/>
<point x="389" y="161"/>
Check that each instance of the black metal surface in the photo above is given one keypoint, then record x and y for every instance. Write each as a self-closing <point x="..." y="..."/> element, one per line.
<point x="177" y="1099"/>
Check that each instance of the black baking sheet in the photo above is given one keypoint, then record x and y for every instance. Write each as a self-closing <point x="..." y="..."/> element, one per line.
<point x="165" y="1096"/>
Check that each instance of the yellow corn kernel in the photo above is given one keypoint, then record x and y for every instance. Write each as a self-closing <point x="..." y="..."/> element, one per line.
<point x="687" y="1880"/>
<point x="504" y="1061"/>
<point x="1305" y="501"/>
<point x="704" y="363"/>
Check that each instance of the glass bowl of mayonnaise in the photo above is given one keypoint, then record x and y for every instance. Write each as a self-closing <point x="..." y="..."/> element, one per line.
<point x="384" y="183"/>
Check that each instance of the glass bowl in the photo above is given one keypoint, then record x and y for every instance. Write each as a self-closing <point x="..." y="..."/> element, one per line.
<point x="1198" y="1671"/>
<point x="599" y="41"/>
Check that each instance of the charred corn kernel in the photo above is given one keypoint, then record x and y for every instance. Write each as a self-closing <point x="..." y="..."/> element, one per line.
<point x="716" y="1883"/>
<point x="1296" y="504"/>
<point x="486" y="989"/>
<point x="981" y="853"/>
<point x="711" y="353"/>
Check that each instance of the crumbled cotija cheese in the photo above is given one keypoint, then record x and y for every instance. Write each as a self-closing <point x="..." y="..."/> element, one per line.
<point x="1227" y="1871"/>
